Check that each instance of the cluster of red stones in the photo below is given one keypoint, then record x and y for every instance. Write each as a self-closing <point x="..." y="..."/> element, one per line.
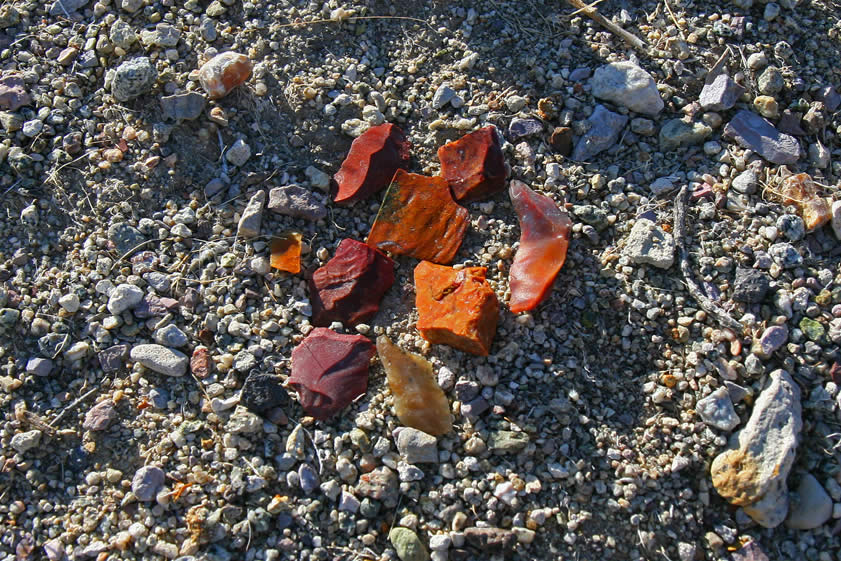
<point x="419" y="217"/>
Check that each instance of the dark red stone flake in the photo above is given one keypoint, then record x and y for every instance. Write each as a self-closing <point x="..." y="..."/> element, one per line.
<point x="350" y="286"/>
<point x="369" y="166"/>
<point x="330" y="370"/>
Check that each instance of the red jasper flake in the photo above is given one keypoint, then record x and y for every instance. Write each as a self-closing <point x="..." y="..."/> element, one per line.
<point x="369" y="166"/>
<point x="473" y="165"/>
<point x="544" y="237"/>
<point x="330" y="370"/>
<point x="350" y="286"/>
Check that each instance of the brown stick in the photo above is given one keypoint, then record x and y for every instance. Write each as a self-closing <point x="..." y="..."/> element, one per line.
<point x="594" y="15"/>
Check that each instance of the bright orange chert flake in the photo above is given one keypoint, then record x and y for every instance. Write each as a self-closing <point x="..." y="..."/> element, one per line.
<point x="801" y="191"/>
<point x="456" y="308"/>
<point x="544" y="237"/>
<point x="419" y="401"/>
<point x="286" y="253"/>
<point x="371" y="162"/>
<point x="419" y="218"/>
<point x="473" y="165"/>
<point x="221" y="74"/>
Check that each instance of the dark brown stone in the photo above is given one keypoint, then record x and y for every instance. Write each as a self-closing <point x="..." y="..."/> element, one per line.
<point x="350" y="286"/>
<point x="369" y="166"/>
<point x="330" y="370"/>
<point x="561" y="141"/>
<point x="473" y="165"/>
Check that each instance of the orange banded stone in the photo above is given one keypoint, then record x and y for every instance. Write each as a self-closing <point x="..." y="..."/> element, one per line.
<point x="456" y="308"/>
<point x="223" y="73"/>
<point x="473" y="165"/>
<point x="801" y="191"/>
<point x="544" y="237"/>
<point x="419" y="218"/>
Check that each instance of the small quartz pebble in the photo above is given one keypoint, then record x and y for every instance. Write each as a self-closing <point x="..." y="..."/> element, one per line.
<point x="350" y="286"/>
<point x="473" y="165"/>
<point x="330" y="370"/>
<point x="419" y="218"/>
<point x="223" y="73"/>
<point x="801" y="191"/>
<point x="286" y="252"/>
<point x="544" y="237"/>
<point x="419" y="401"/>
<point x="373" y="159"/>
<point x="456" y="308"/>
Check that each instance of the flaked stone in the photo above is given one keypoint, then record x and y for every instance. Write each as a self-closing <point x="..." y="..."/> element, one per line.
<point x="752" y="472"/>
<point x="373" y="159"/>
<point x="350" y="286"/>
<point x="456" y="308"/>
<point x="544" y="238"/>
<point x="419" y="401"/>
<point x="420" y="219"/>
<point x="330" y="370"/>
<point x="473" y="165"/>
<point x="286" y="252"/>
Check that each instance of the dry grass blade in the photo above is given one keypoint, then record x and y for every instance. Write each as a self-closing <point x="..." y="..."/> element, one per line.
<point x="593" y="14"/>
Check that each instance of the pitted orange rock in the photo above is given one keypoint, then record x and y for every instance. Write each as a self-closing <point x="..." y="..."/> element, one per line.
<point x="419" y="218"/>
<point x="224" y="72"/>
<point x="456" y="308"/>
<point x="473" y="165"/>
<point x="544" y="237"/>
<point x="286" y="253"/>
<point x="371" y="162"/>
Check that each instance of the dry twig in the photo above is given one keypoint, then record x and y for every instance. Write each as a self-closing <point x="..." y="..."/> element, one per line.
<point x="593" y="14"/>
<point x="695" y="291"/>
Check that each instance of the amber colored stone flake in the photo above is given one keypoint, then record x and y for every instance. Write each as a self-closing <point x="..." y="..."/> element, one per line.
<point x="419" y="401"/>
<point x="223" y="73"/>
<point x="801" y="191"/>
<point x="473" y="165"/>
<point x="286" y="252"/>
<point x="544" y="237"/>
<point x="350" y="286"/>
<point x="419" y="218"/>
<point x="371" y="162"/>
<point x="456" y="308"/>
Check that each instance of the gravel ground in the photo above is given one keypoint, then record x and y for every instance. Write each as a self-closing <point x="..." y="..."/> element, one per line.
<point x="121" y="231"/>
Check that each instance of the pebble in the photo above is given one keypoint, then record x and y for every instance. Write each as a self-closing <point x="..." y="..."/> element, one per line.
<point x="625" y="83"/>
<point x="160" y="359"/>
<point x="717" y="410"/>
<point x="251" y="220"/>
<point x="39" y="366"/>
<point x="186" y="106"/>
<point x="239" y="153"/>
<point x="443" y="95"/>
<point x="677" y="133"/>
<point x="23" y="442"/>
<point x="416" y="446"/>
<point x="836" y="219"/>
<point x="262" y="392"/>
<point x="407" y="545"/>
<point x="603" y="133"/>
<point x="746" y="182"/>
<point x="133" y="78"/>
<point x="785" y="255"/>
<point x="521" y="128"/>
<point x="146" y="483"/>
<point x="750" y="285"/>
<point x="648" y="244"/>
<point x="171" y="336"/>
<point x="124" y="297"/>
<point x="297" y="202"/>
<point x="720" y="94"/>
<point x="811" y="505"/>
<point x="100" y="416"/>
<point x="773" y="338"/>
<point x="755" y="133"/>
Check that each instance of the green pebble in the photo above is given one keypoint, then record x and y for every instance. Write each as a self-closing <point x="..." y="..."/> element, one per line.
<point x="408" y="545"/>
<point x="813" y="330"/>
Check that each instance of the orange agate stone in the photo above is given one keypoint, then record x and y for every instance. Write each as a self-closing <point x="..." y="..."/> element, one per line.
<point x="544" y="237"/>
<point x="419" y="218"/>
<point x="286" y="253"/>
<point x="456" y="308"/>
<point x="801" y="191"/>
<point x="473" y="165"/>
<point x="223" y="73"/>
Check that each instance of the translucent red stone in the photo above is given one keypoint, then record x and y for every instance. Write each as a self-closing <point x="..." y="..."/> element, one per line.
<point x="350" y="286"/>
<point x="544" y="237"/>
<point x="456" y="307"/>
<point x="473" y="165"/>
<point x="330" y="370"/>
<point x="221" y="74"/>
<point x="371" y="162"/>
<point x="419" y="218"/>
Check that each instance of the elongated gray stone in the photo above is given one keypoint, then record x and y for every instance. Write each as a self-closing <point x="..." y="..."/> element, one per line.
<point x="162" y="360"/>
<point x="252" y="216"/>
<point x="755" y="133"/>
<point x="296" y="201"/>
<point x="752" y="472"/>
